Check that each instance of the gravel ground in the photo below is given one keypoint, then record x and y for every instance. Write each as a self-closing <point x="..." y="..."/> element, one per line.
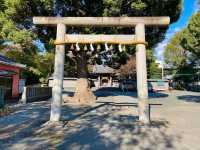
<point x="110" y="124"/>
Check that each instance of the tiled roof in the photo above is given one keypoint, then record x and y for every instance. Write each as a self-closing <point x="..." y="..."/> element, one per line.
<point x="8" y="61"/>
<point x="5" y="59"/>
<point x="102" y="69"/>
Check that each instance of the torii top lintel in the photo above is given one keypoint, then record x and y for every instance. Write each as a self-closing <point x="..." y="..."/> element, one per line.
<point x="102" y="21"/>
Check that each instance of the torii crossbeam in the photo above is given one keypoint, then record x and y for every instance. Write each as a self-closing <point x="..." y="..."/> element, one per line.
<point x="102" y="21"/>
<point x="97" y="39"/>
<point x="139" y="39"/>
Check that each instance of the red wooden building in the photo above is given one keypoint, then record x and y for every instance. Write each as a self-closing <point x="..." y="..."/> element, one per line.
<point x="10" y="76"/>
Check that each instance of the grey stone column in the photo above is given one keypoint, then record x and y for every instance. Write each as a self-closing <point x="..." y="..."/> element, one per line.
<point x="110" y="81"/>
<point x="142" y="89"/>
<point x="56" y="102"/>
<point x="24" y="97"/>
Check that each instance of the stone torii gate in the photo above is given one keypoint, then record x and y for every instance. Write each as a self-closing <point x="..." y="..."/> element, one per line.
<point x="139" y="39"/>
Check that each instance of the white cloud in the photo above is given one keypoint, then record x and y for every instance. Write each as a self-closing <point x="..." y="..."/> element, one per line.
<point x="177" y="29"/>
<point x="159" y="49"/>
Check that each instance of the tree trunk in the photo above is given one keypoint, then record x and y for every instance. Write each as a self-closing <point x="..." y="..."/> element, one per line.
<point x="83" y="93"/>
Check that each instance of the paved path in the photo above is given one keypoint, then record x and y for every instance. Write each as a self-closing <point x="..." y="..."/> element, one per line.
<point x="109" y="124"/>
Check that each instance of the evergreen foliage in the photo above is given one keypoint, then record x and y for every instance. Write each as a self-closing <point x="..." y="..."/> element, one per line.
<point x="183" y="52"/>
<point x="17" y="32"/>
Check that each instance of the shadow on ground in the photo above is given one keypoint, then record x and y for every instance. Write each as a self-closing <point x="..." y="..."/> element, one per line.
<point x="189" y="98"/>
<point x="22" y="123"/>
<point x="111" y="91"/>
<point x="106" y="128"/>
<point x="108" y="91"/>
<point x="103" y="126"/>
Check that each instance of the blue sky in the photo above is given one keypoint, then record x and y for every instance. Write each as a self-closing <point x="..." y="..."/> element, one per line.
<point x="189" y="7"/>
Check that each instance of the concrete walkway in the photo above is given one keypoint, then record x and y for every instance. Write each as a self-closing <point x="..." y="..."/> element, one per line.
<point x="110" y="124"/>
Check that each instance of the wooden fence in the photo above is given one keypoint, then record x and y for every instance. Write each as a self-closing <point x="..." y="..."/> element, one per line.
<point x="31" y="94"/>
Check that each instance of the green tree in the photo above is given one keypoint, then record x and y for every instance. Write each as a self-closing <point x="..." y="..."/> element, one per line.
<point x="184" y="47"/>
<point x="16" y="21"/>
<point x="183" y="52"/>
<point x="153" y="70"/>
<point x="175" y="54"/>
<point x="17" y="36"/>
<point x="170" y="8"/>
<point x="191" y="40"/>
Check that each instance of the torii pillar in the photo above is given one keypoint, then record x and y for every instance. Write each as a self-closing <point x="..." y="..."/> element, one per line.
<point x="138" y="22"/>
<point x="141" y="69"/>
<point x="58" y="75"/>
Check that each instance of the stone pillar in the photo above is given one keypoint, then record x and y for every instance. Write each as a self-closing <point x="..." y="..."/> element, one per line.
<point x="141" y="68"/>
<point x="110" y="81"/>
<point x="99" y="81"/>
<point x="24" y="97"/>
<point x="56" y="102"/>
